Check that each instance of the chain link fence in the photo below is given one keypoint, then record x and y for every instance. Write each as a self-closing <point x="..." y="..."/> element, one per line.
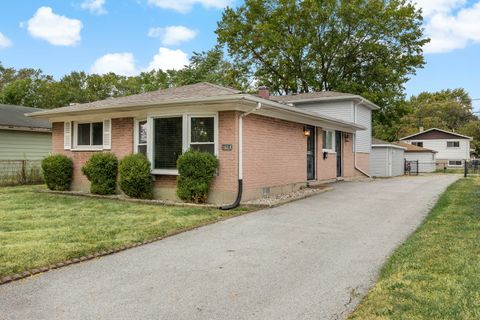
<point x="18" y="172"/>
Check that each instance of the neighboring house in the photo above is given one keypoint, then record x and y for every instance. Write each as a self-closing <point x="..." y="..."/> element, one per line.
<point x="426" y="158"/>
<point x="343" y="106"/>
<point x="266" y="146"/>
<point x="21" y="137"/>
<point x="386" y="159"/>
<point x="452" y="148"/>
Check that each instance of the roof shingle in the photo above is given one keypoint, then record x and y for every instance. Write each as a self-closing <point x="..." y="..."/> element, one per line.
<point x="14" y="117"/>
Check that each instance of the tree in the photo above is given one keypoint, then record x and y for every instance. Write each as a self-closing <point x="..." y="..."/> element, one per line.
<point x="472" y="129"/>
<point x="366" y="47"/>
<point x="449" y="109"/>
<point x="211" y="66"/>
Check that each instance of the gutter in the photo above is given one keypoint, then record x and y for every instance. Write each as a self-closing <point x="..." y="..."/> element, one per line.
<point x="355" y="144"/>
<point x="240" y="159"/>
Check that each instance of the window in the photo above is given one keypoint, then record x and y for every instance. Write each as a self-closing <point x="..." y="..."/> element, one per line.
<point x="168" y="142"/>
<point x="418" y="143"/>
<point x="455" y="163"/>
<point x="327" y="140"/>
<point x="168" y="137"/>
<point x="89" y="134"/>
<point x="202" y="134"/>
<point x="142" y="137"/>
<point x="453" y="144"/>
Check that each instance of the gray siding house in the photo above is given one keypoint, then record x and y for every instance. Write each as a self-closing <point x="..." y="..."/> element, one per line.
<point x="24" y="142"/>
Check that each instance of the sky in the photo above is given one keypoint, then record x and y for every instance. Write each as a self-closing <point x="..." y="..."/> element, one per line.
<point x="130" y="36"/>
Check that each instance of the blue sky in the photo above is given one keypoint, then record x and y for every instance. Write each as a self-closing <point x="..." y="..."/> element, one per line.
<point x="129" y="36"/>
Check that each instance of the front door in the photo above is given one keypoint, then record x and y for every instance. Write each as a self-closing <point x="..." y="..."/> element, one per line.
<point x="338" y="150"/>
<point x="310" y="153"/>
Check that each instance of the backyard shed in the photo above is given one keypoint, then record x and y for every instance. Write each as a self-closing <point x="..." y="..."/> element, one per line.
<point x="386" y="159"/>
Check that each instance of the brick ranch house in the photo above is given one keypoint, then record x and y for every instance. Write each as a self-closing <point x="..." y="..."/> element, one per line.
<point x="270" y="146"/>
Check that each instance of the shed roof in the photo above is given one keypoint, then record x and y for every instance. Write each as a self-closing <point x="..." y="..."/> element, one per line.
<point x="385" y="144"/>
<point x="13" y="118"/>
<point x="412" y="148"/>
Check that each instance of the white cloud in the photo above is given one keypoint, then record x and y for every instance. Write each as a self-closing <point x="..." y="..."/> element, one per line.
<point x="4" y="41"/>
<point x="172" y="35"/>
<point x="454" y="29"/>
<point x="56" y="29"/>
<point x="124" y="63"/>
<point x="94" y="6"/>
<point x="431" y="7"/>
<point x="120" y="63"/>
<point x="167" y="59"/>
<point x="185" y="6"/>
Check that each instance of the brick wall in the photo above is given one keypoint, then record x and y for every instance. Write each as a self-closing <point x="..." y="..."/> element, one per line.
<point x="349" y="160"/>
<point x="326" y="168"/>
<point x="275" y="152"/>
<point x="122" y="145"/>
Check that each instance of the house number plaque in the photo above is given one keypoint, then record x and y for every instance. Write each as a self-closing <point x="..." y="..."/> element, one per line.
<point x="227" y="147"/>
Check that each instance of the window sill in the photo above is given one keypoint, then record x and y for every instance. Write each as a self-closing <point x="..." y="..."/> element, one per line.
<point x="165" y="172"/>
<point x="86" y="149"/>
<point x="329" y="151"/>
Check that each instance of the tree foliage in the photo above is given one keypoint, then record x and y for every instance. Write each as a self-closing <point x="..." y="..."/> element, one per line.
<point x="366" y="47"/>
<point x="33" y="88"/>
<point x="449" y="109"/>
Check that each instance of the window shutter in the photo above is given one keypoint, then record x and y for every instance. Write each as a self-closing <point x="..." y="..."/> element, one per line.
<point x="107" y="134"/>
<point x="67" y="135"/>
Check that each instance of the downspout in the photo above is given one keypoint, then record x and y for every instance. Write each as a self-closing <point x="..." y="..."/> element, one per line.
<point x="355" y="143"/>
<point x="240" y="159"/>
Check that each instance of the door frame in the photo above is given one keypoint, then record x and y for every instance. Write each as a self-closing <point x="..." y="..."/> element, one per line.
<point x="339" y="152"/>
<point x="313" y="135"/>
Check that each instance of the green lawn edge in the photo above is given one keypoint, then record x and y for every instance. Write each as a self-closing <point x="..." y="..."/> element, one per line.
<point x="41" y="229"/>
<point x="435" y="274"/>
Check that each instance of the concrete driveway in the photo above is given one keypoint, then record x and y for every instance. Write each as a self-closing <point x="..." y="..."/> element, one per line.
<point x="310" y="259"/>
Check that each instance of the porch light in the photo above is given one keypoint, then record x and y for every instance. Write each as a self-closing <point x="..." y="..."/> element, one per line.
<point x="347" y="137"/>
<point x="306" y="132"/>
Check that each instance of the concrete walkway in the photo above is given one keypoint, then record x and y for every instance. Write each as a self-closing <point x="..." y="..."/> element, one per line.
<point x="309" y="259"/>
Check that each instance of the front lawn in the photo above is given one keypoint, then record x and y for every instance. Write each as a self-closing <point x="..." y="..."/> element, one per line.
<point x="39" y="229"/>
<point x="436" y="273"/>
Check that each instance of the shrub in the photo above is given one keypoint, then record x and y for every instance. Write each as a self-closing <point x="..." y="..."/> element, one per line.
<point x="57" y="172"/>
<point x="101" y="171"/>
<point x="196" y="171"/>
<point x="135" y="178"/>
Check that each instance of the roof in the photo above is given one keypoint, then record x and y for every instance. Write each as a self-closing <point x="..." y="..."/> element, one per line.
<point x="412" y="148"/>
<point x="13" y="118"/>
<point x="384" y="144"/>
<point x="435" y="133"/>
<point x="200" y="93"/>
<point x="322" y="96"/>
<point x="193" y="91"/>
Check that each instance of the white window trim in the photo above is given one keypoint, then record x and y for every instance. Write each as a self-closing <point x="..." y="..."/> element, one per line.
<point x="332" y="150"/>
<point x="77" y="147"/>
<point x="185" y="135"/>
<point x="453" y="141"/>
<point x="136" y="142"/>
<point x="455" y="165"/>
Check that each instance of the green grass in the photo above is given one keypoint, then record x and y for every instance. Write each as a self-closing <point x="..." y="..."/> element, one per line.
<point x="451" y="170"/>
<point x="38" y="229"/>
<point x="435" y="274"/>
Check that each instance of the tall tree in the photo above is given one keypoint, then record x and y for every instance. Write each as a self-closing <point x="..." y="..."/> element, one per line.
<point x="211" y="66"/>
<point x="367" y="47"/>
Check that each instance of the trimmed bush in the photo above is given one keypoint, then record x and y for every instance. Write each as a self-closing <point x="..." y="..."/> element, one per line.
<point x="196" y="171"/>
<point x="101" y="171"/>
<point x="135" y="178"/>
<point x="57" y="172"/>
